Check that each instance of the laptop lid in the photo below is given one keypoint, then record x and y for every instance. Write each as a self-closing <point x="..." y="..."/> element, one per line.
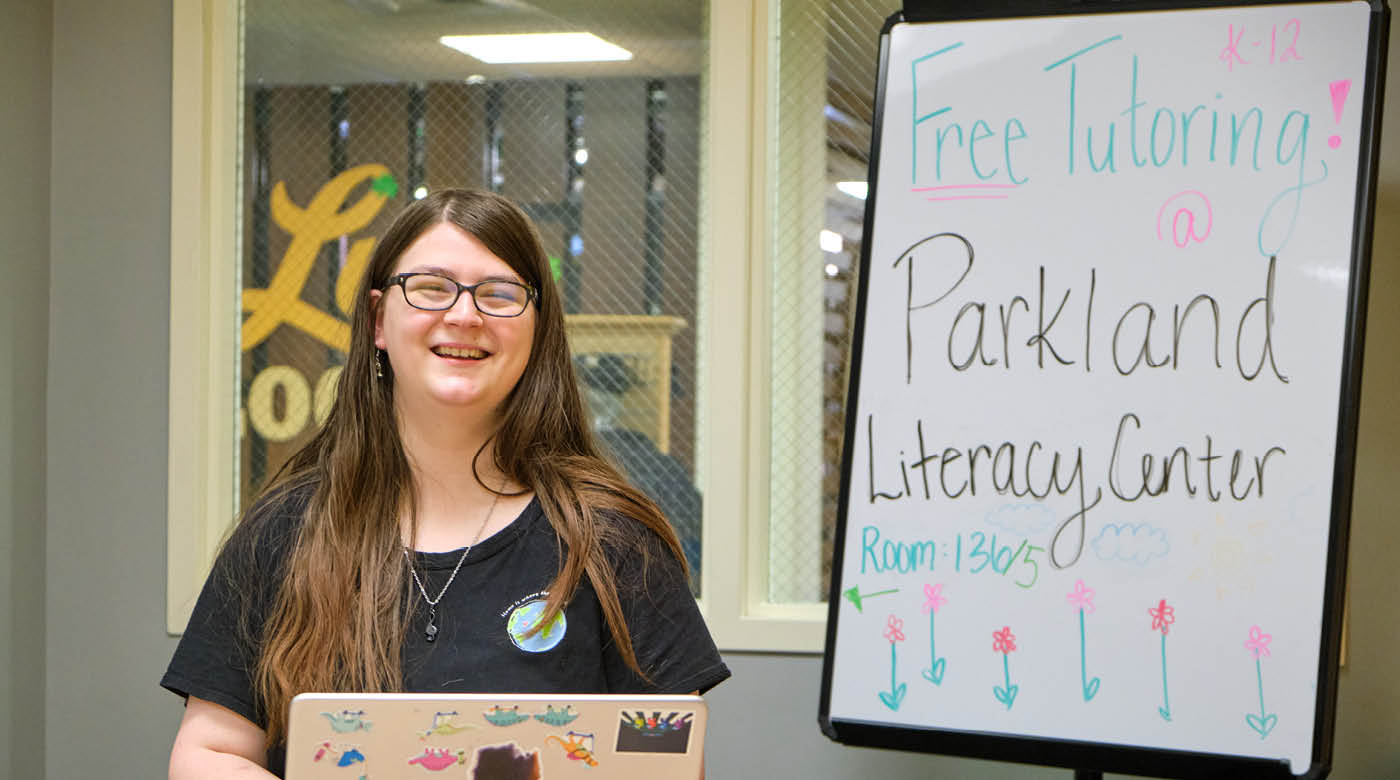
<point x="494" y="737"/>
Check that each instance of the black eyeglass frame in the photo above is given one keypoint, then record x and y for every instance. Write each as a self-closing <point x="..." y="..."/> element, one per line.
<point x="400" y="279"/>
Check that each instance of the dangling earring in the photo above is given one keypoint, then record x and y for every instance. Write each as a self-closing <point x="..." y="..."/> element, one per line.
<point x="378" y="367"/>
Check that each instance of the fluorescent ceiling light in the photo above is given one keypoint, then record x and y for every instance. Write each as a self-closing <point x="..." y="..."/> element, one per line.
<point x="537" y="47"/>
<point x="856" y="189"/>
<point x="830" y="241"/>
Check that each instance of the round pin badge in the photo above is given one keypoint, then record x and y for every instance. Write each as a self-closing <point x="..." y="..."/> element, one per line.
<point x="527" y="616"/>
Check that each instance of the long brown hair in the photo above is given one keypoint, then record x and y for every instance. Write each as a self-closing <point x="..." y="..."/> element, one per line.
<point x="340" y="613"/>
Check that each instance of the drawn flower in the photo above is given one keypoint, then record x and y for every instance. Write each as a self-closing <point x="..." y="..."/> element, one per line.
<point x="1003" y="641"/>
<point x="1162" y="616"/>
<point x="933" y="597"/>
<point x="1258" y="642"/>
<point x="894" y="629"/>
<point x="1081" y="597"/>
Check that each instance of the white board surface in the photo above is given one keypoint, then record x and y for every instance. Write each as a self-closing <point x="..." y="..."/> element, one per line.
<point x="1062" y="204"/>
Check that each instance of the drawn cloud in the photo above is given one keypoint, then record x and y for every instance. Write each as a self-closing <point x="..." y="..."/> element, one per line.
<point x="1024" y="519"/>
<point x="1136" y="544"/>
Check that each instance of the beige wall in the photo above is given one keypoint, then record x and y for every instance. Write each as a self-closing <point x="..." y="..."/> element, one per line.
<point x="24" y="245"/>
<point x="82" y="638"/>
<point x="105" y="424"/>
<point x="1368" y="717"/>
<point x="1368" y="710"/>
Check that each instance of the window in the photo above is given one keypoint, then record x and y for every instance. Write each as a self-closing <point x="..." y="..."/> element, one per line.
<point x="681" y="195"/>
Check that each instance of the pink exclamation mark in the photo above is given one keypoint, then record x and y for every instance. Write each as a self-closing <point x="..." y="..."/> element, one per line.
<point x="1339" y="90"/>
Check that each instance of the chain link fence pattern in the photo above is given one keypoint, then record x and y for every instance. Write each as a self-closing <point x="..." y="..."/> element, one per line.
<point x="824" y="96"/>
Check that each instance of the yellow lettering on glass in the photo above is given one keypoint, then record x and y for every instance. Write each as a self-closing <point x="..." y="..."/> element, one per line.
<point x="300" y="400"/>
<point x="310" y="228"/>
<point x="325" y="393"/>
<point x="296" y="405"/>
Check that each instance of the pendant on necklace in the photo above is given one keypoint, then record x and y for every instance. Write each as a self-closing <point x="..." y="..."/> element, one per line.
<point x="431" y="633"/>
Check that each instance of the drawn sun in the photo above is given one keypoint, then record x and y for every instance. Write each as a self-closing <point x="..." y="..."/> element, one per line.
<point x="1230" y="556"/>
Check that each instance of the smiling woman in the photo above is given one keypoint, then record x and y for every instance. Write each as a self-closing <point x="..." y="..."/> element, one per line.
<point x="451" y="352"/>
<point x="414" y="544"/>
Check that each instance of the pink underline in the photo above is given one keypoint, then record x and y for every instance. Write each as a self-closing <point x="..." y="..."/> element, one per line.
<point x="972" y="197"/>
<point x="964" y="187"/>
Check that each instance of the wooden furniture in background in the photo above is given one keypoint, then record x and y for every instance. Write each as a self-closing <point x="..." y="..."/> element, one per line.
<point x="644" y="341"/>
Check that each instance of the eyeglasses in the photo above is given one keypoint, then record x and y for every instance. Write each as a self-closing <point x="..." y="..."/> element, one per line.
<point x="493" y="297"/>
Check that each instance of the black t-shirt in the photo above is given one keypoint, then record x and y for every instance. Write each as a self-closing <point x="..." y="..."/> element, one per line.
<point x="498" y="594"/>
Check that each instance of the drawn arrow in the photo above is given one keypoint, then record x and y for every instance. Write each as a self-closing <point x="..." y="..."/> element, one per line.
<point x="895" y="695"/>
<point x="934" y="673"/>
<point x="854" y="595"/>
<point x="1006" y="695"/>
<point x="1090" y="687"/>
<point x="1166" y="709"/>
<point x="1264" y="722"/>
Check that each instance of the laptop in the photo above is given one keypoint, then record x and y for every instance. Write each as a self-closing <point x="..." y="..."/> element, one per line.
<point x="345" y="736"/>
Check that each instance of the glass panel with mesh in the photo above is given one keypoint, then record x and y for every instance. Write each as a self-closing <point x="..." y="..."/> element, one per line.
<point x="353" y="107"/>
<point x="822" y="93"/>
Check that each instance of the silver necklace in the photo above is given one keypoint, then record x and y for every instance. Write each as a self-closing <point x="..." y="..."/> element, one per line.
<point x="431" y="632"/>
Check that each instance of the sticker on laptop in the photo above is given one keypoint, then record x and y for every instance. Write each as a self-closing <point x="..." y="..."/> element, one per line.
<point x="437" y="759"/>
<point x="445" y="724"/>
<point x="342" y="755"/>
<point x="655" y="732"/>
<point x="559" y="717"/>
<point x="500" y="716"/>
<point x="505" y="762"/>
<point x="346" y="721"/>
<point x="577" y="746"/>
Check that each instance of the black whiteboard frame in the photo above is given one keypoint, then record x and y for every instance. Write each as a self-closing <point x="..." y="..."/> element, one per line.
<point x="1109" y="757"/>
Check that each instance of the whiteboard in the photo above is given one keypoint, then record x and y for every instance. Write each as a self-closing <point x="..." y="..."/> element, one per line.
<point x="1103" y="388"/>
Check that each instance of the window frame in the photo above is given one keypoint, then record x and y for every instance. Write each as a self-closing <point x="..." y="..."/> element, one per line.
<point x="733" y="449"/>
<point x="206" y="110"/>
